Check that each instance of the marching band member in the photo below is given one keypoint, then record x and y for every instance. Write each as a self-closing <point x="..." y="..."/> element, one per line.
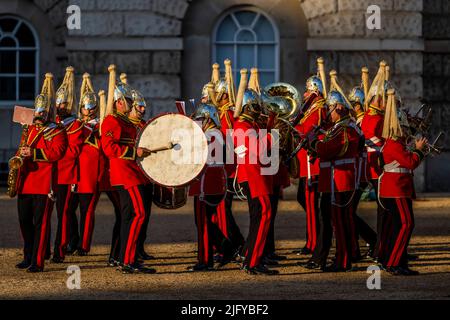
<point x="337" y="151"/>
<point x="91" y="163"/>
<point x="67" y="237"/>
<point x="308" y="195"/>
<point x="136" y="116"/>
<point x="118" y="137"/>
<point x="280" y="181"/>
<point x="372" y="128"/>
<point x="224" y="100"/>
<point x="45" y="143"/>
<point x="357" y="99"/>
<point x="208" y="191"/>
<point x="396" y="186"/>
<point x="256" y="186"/>
<point x="105" y="186"/>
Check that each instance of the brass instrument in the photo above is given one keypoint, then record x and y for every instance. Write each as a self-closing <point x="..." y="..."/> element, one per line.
<point x="283" y="100"/>
<point x="15" y="163"/>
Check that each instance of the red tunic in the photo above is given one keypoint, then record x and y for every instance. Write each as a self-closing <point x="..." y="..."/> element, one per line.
<point x="397" y="178"/>
<point x="68" y="165"/>
<point x="338" y="149"/>
<point x="48" y="143"/>
<point x="118" y="142"/>
<point x="314" y="116"/>
<point x="372" y="128"/>
<point x="246" y="143"/>
<point x="213" y="179"/>
<point x="91" y="159"/>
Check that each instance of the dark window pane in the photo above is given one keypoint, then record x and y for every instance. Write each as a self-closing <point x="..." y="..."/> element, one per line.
<point x="7" y="24"/>
<point x="266" y="78"/>
<point x="26" y="88"/>
<point x="27" y="62"/>
<point x="245" y="18"/>
<point x="264" y="30"/>
<point x="245" y="57"/>
<point x="266" y="57"/>
<point x="7" y="88"/>
<point x="7" y="61"/>
<point x="245" y="35"/>
<point x="7" y="42"/>
<point x="224" y="52"/>
<point x="226" y="30"/>
<point x="25" y="36"/>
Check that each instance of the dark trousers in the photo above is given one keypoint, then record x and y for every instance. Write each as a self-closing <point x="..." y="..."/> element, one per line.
<point x="363" y="229"/>
<point x="398" y="231"/>
<point x="35" y="212"/>
<point x="87" y="203"/>
<point x="114" y="197"/>
<point x="225" y="219"/>
<point x="260" y="216"/>
<point x="143" y="234"/>
<point x="134" y="207"/>
<point x="66" y="219"/>
<point x="325" y="235"/>
<point x="270" y="242"/>
<point x="209" y="234"/>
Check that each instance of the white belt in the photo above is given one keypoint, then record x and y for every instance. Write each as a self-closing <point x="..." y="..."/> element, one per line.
<point x="369" y="150"/>
<point x="398" y="170"/>
<point x="339" y="162"/>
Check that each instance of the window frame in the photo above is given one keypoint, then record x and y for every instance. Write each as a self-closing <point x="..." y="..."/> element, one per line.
<point x="9" y="104"/>
<point x="275" y="43"/>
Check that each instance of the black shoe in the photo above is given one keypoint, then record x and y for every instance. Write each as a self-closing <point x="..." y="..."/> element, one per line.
<point x="296" y="251"/>
<point x="82" y="253"/>
<point x="395" y="271"/>
<point x="23" y="265"/>
<point x="35" y="269"/>
<point x="408" y="272"/>
<point x="412" y="257"/>
<point x="335" y="268"/>
<point x="311" y="265"/>
<point x="113" y="263"/>
<point x="71" y="249"/>
<point x="144" y="256"/>
<point x="200" y="267"/>
<point x="57" y="259"/>
<point x="274" y="256"/>
<point x="130" y="269"/>
<point x="223" y="261"/>
<point x="261" y="269"/>
<point x="269" y="262"/>
<point x="305" y="251"/>
<point x="357" y="259"/>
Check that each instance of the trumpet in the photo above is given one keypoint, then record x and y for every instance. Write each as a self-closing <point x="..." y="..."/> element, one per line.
<point x="15" y="163"/>
<point x="431" y="149"/>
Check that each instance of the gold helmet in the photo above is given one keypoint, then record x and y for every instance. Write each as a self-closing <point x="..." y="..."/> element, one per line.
<point x="66" y="92"/>
<point x="43" y="104"/>
<point x="88" y="98"/>
<point x="116" y="91"/>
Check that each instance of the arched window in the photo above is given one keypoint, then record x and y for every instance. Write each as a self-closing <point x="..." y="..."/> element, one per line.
<point x="248" y="37"/>
<point x="19" y="62"/>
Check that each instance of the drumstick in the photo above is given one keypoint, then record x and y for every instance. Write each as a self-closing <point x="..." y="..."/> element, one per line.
<point x="170" y="146"/>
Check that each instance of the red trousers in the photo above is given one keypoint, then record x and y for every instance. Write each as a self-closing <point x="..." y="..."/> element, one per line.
<point x="260" y="218"/>
<point x="308" y="196"/>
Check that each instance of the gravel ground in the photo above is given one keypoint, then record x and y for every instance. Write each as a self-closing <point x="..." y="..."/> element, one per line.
<point x="172" y="239"/>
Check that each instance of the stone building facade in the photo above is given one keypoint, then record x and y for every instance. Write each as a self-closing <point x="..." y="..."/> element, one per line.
<point x="166" y="48"/>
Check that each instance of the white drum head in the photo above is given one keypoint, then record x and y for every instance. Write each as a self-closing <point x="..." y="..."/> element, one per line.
<point x="181" y="164"/>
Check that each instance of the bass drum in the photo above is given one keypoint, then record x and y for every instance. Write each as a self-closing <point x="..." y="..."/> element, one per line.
<point x="170" y="198"/>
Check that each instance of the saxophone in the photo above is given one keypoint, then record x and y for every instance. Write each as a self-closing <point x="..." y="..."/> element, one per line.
<point x="15" y="163"/>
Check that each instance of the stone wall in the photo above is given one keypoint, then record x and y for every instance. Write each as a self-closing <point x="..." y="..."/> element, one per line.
<point x="138" y="36"/>
<point x="436" y="78"/>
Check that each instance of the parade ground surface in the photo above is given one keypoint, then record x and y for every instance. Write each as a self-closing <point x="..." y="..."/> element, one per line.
<point x="172" y="240"/>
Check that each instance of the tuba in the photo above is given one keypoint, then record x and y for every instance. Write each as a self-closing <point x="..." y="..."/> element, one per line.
<point x="15" y="163"/>
<point x="283" y="100"/>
